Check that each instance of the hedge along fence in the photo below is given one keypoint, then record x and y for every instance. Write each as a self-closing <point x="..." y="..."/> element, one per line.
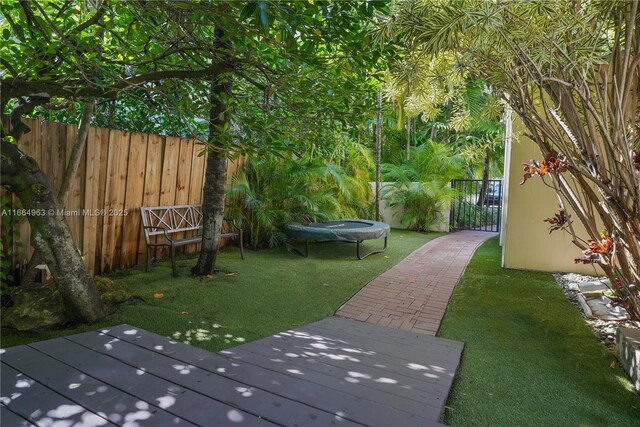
<point x="119" y="172"/>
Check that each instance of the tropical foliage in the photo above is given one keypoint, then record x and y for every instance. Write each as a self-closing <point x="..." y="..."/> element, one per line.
<point x="570" y="70"/>
<point x="273" y="191"/>
<point x="420" y="185"/>
<point x="440" y="102"/>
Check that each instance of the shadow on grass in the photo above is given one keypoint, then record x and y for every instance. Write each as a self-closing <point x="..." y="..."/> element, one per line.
<point x="268" y="292"/>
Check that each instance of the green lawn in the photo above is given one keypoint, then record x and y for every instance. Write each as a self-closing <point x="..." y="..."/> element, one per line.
<point x="529" y="359"/>
<point x="269" y="291"/>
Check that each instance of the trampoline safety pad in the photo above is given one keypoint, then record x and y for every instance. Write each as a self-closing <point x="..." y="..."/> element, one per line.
<point x="343" y="230"/>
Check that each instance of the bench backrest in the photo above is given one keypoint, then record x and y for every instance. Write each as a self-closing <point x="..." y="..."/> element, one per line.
<point x="173" y="219"/>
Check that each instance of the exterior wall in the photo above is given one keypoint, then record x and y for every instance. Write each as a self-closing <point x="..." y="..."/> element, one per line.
<point x="388" y="214"/>
<point x="527" y="243"/>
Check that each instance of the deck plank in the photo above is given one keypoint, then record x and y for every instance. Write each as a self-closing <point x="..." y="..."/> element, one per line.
<point x="292" y="387"/>
<point x="443" y="361"/>
<point x="323" y="349"/>
<point x="269" y="406"/>
<point x="12" y="419"/>
<point x="331" y="378"/>
<point x="31" y="400"/>
<point x="147" y="387"/>
<point x="345" y="366"/>
<point x="92" y="394"/>
<point x="412" y="372"/>
<point x="397" y="336"/>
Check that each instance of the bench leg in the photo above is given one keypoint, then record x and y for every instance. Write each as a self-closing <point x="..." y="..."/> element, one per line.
<point x="173" y="261"/>
<point x="148" y="259"/>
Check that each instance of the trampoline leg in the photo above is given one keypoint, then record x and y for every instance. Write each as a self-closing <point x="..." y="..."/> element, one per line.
<point x="370" y="253"/>
<point x="306" y="249"/>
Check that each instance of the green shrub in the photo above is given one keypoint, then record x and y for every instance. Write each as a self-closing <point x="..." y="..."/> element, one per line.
<point x="420" y="185"/>
<point x="470" y="215"/>
<point x="275" y="191"/>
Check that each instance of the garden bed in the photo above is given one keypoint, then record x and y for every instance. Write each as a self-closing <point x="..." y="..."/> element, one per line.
<point x="604" y="328"/>
<point x="609" y="322"/>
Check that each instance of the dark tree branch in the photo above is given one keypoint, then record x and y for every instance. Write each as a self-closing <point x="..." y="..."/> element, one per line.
<point x="9" y="67"/>
<point x="15" y="88"/>
<point x="26" y="7"/>
<point x="18" y="128"/>
<point x="94" y="19"/>
<point x="16" y="28"/>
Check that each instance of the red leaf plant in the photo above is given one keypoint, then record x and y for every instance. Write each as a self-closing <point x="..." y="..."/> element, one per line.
<point x="594" y="254"/>
<point x="560" y="221"/>
<point x="551" y="163"/>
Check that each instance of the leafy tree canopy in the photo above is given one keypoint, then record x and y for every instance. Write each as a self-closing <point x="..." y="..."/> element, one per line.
<point x="571" y="71"/>
<point x="293" y="61"/>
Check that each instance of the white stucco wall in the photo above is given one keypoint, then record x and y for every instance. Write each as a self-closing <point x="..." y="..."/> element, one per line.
<point x="527" y="244"/>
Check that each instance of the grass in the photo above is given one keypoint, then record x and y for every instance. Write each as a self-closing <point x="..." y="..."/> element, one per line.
<point x="268" y="292"/>
<point x="529" y="358"/>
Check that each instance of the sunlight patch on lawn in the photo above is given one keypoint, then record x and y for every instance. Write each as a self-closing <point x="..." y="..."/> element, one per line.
<point x="205" y="333"/>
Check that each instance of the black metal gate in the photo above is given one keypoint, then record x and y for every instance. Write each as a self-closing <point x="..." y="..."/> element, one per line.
<point x="476" y="207"/>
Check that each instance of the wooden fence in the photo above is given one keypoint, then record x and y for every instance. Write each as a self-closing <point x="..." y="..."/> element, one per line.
<point x="119" y="171"/>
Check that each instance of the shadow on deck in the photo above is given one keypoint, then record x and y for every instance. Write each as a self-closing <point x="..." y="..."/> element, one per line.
<point x="333" y="372"/>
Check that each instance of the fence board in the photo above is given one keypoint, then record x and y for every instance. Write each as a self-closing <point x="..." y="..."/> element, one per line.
<point x="169" y="171"/>
<point x="59" y="163"/>
<point x="102" y="185"/>
<point x="74" y="201"/>
<point x="49" y="151"/>
<point x="197" y="173"/>
<point x="118" y="170"/>
<point x="38" y="138"/>
<point x="92" y="178"/>
<point x="169" y="178"/>
<point x="197" y="181"/>
<point x="115" y="187"/>
<point x="133" y="199"/>
<point x="152" y="182"/>
<point x="183" y="181"/>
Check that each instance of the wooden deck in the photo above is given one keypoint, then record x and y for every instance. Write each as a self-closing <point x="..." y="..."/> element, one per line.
<point x="333" y="372"/>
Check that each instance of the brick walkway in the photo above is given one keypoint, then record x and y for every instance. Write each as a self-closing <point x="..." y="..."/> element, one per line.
<point x="413" y="295"/>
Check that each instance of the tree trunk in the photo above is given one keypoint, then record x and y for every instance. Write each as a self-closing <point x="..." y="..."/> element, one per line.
<point x="50" y="234"/>
<point x="434" y="133"/>
<point x="215" y="185"/>
<point x="378" y="152"/>
<point x="408" y="147"/>
<point x="485" y="180"/>
<point x="77" y="150"/>
<point x="212" y="212"/>
<point x="69" y="175"/>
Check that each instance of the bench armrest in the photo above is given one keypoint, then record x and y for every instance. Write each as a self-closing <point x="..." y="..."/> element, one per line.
<point x="157" y="227"/>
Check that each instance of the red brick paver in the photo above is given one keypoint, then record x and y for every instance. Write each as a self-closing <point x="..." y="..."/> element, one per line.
<point x="413" y="295"/>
